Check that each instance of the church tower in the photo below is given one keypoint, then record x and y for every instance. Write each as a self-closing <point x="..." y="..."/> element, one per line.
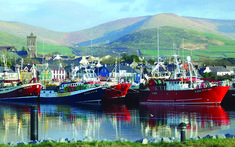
<point x="32" y="45"/>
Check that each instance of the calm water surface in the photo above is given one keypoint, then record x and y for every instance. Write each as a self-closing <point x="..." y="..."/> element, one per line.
<point x="113" y="122"/>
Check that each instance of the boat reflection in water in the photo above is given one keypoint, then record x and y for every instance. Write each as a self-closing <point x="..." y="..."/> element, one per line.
<point x="163" y="120"/>
<point x="109" y="121"/>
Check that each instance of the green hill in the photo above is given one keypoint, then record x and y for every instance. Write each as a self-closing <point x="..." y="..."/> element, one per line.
<point x="111" y="31"/>
<point x="7" y="39"/>
<point x="171" y="41"/>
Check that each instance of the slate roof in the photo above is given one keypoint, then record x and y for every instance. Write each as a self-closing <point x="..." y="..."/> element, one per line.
<point x="21" y="53"/>
<point x="55" y="67"/>
<point x="231" y="68"/>
<point x="128" y="69"/>
<point x="68" y="68"/>
<point x="40" y="67"/>
<point x="24" y="66"/>
<point x="6" y="47"/>
<point x="171" y="67"/>
<point x="218" y="69"/>
<point x="75" y="62"/>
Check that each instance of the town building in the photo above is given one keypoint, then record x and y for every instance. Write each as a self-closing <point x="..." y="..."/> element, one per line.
<point x="32" y="45"/>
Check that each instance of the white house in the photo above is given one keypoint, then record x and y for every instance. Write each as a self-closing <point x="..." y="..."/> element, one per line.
<point x="58" y="72"/>
<point x="218" y="70"/>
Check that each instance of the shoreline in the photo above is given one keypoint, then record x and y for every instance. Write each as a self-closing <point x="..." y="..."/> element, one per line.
<point x="219" y="140"/>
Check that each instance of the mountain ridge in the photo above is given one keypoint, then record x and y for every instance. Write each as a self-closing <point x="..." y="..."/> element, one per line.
<point x="111" y="31"/>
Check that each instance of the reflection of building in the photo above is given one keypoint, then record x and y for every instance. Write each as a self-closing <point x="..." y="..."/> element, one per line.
<point x="32" y="45"/>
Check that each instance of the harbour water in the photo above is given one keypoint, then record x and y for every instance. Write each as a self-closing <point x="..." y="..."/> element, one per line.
<point x="113" y="122"/>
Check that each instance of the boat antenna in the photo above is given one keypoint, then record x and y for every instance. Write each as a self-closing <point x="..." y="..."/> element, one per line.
<point x="183" y="48"/>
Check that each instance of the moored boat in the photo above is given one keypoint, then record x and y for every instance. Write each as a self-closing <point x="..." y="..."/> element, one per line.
<point x="72" y="92"/>
<point x="116" y="89"/>
<point x="166" y="92"/>
<point x="116" y="92"/>
<point x="15" y="90"/>
<point x="20" y="92"/>
<point x="187" y="89"/>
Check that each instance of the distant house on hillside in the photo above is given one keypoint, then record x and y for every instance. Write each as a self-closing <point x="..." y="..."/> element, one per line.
<point x="57" y="57"/>
<point x="8" y="48"/>
<point x="14" y="50"/>
<point x="218" y="70"/>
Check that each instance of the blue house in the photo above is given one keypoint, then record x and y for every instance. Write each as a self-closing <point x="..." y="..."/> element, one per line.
<point x="102" y="72"/>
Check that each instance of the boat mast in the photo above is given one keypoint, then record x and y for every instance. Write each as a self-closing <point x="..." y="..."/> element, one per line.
<point x="34" y="74"/>
<point x="5" y="66"/>
<point x="158" y="49"/>
<point x="116" y="70"/>
<point x="177" y="66"/>
<point x="190" y="70"/>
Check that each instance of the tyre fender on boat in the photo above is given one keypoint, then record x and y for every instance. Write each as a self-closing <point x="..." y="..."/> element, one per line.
<point x="35" y="93"/>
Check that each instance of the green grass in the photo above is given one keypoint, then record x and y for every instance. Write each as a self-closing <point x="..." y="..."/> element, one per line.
<point x="192" y="143"/>
<point x="7" y="39"/>
<point x="213" y="52"/>
<point x="212" y="46"/>
<point x="220" y="38"/>
<point x="48" y="49"/>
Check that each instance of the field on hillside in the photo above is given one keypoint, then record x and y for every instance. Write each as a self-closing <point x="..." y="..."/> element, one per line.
<point x="51" y="49"/>
<point x="213" y="52"/>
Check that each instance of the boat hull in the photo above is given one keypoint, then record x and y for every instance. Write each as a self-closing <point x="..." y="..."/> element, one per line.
<point x="212" y="95"/>
<point x="79" y="96"/>
<point x="229" y="98"/>
<point x="116" y="93"/>
<point x="23" y="92"/>
<point x="132" y="96"/>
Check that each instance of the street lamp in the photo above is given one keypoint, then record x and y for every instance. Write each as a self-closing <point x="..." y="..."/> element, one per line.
<point x="119" y="62"/>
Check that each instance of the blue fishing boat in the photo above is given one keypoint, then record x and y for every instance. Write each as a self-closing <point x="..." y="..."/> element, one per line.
<point x="72" y="92"/>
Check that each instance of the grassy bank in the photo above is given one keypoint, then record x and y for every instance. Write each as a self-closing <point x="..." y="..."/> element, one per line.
<point x="202" y="142"/>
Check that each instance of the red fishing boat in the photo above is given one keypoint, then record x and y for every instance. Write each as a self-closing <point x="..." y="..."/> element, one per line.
<point x="116" y="88"/>
<point x="116" y="92"/>
<point x="16" y="90"/>
<point x="185" y="89"/>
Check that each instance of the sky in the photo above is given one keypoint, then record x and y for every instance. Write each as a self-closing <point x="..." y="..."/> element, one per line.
<point x="75" y="15"/>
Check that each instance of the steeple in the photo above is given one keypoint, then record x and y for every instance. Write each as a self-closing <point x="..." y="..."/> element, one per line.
<point x="32" y="45"/>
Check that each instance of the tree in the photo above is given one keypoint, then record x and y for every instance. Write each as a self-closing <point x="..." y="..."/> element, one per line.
<point x="23" y="49"/>
<point x="30" y="61"/>
<point x="151" y="61"/>
<point x="125" y="57"/>
<point x="110" y="60"/>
